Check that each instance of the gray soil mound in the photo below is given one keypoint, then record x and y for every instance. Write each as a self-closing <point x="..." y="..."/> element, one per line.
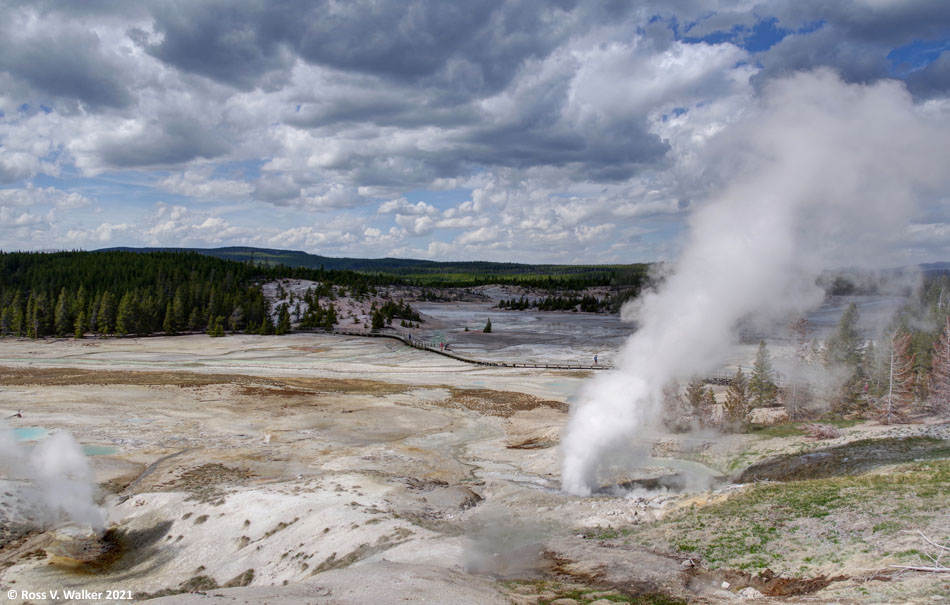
<point x="849" y="459"/>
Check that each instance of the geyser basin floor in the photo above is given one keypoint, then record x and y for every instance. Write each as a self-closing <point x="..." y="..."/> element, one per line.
<point x="363" y="461"/>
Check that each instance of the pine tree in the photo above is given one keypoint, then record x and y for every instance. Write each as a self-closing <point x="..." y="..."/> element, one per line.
<point x="236" y="319"/>
<point x="695" y="390"/>
<point x="267" y="326"/>
<point x="876" y="360"/>
<point x="31" y="325"/>
<point x="737" y="399"/>
<point x="195" y="321"/>
<point x="377" y="320"/>
<point x="93" y="314"/>
<point x="940" y="372"/>
<point x="843" y="351"/>
<point x="18" y="320"/>
<point x="178" y="310"/>
<point x="895" y="405"/>
<point x="168" y="325"/>
<point x="709" y="403"/>
<point x="216" y="328"/>
<point x="61" y="314"/>
<point x="762" y="390"/>
<point x="106" y="315"/>
<point x="5" y="322"/>
<point x="844" y="346"/>
<point x="125" y="315"/>
<point x="676" y="413"/>
<point x="487" y="328"/>
<point x="38" y="316"/>
<point x="283" y="320"/>
<point x="79" y="327"/>
<point x="81" y="301"/>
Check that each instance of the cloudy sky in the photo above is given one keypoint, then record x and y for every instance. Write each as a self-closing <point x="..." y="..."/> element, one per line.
<point x="508" y="130"/>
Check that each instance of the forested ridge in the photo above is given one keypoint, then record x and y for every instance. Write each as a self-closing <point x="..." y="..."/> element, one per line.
<point x="451" y="274"/>
<point x="120" y="292"/>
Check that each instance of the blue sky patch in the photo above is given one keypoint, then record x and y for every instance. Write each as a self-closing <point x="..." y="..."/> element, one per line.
<point x="916" y="55"/>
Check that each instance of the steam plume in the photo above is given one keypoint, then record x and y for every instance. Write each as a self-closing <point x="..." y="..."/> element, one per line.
<point x="821" y="173"/>
<point x="58" y="483"/>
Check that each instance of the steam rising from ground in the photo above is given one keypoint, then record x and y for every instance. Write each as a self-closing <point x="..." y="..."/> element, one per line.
<point x="503" y="546"/>
<point x="54" y="479"/>
<point x="821" y="174"/>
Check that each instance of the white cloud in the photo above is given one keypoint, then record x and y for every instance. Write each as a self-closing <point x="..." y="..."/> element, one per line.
<point x="101" y="234"/>
<point x="403" y="206"/>
<point x="583" y="128"/>
<point x="199" y="183"/>
<point x="39" y="196"/>
<point x="482" y="235"/>
<point x="13" y="218"/>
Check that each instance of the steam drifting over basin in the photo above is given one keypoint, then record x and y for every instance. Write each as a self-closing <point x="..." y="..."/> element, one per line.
<point x="821" y="174"/>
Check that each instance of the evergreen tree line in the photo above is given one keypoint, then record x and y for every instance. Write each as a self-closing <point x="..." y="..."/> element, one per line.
<point x="561" y="278"/>
<point x="194" y="305"/>
<point x="905" y="372"/>
<point x="586" y="303"/>
<point x="383" y="316"/>
<point x="122" y="293"/>
<point x="315" y="315"/>
<point x="759" y="389"/>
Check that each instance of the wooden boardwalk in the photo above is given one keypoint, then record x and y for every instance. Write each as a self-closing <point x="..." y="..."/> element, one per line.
<point x="433" y="347"/>
<point x="722" y="377"/>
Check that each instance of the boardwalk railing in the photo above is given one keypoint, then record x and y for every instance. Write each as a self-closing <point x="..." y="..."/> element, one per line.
<point x="433" y="347"/>
<point x="722" y="377"/>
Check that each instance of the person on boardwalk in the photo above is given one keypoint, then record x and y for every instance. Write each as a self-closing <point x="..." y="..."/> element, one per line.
<point x="595" y="359"/>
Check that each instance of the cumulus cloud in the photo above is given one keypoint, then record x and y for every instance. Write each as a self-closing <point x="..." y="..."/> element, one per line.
<point x="43" y="196"/>
<point x="100" y="235"/>
<point x="404" y="207"/>
<point x="57" y="59"/>
<point x="13" y="218"/>
<point x="199" y="183"/>
<point x="561" y="125"/>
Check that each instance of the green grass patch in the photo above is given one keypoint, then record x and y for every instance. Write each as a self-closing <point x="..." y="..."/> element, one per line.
<point x="843" y="423"/>
<point x="788" y="429"/>
<point x="587" y="594"/>
<point x="885" y="526"/>
<point x="598" y="533"/>
<point x="794" y="429"/>
<point x="760" y="526"/>
<point x="740" y="461"/>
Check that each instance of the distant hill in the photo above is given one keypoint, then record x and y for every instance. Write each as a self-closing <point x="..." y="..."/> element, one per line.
<point x="935" y="267"/>
<point x="425" y="270"/>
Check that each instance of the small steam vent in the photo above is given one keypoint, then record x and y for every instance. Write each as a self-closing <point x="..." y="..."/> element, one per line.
<point x="82" y="547"/>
